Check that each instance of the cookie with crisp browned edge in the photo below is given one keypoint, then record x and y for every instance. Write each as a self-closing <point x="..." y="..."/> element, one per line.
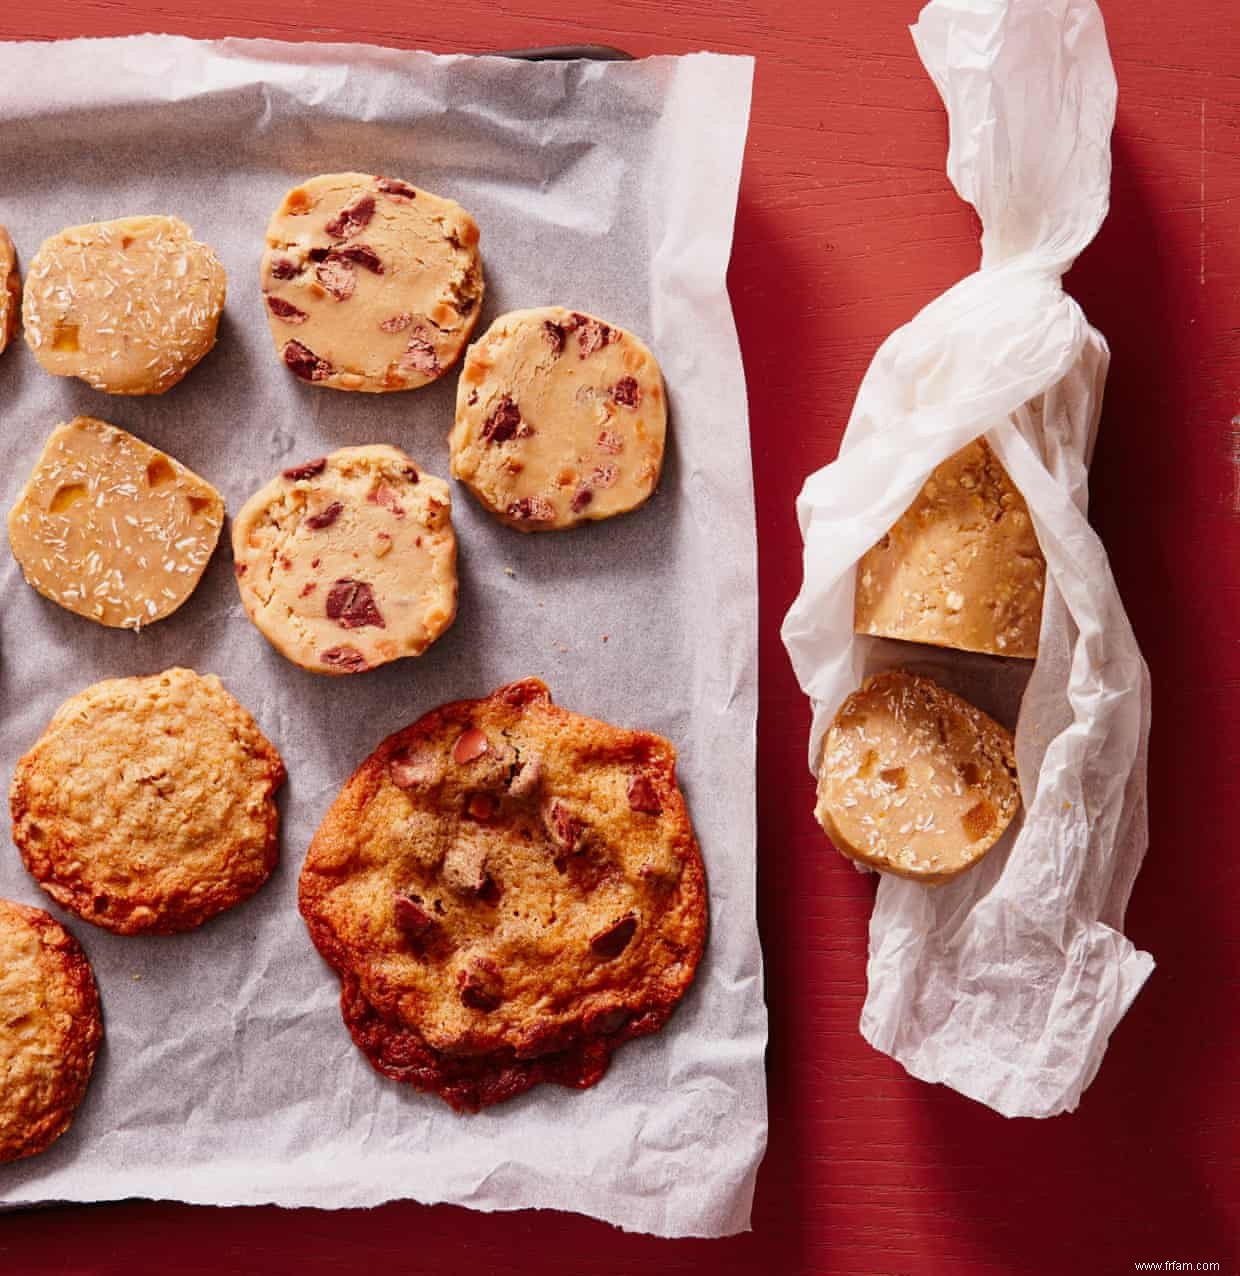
<point x="508" y="891"/>
<point x="370" y="283"/>
<point x="348" y="561"/>
<point x="147" y="805"/>
<point x="50" y="1029"/>
<point x="561" y="419"/>
<point x="914" y="780"/>
<point x="129" y="306"/>
<point x="10" y="290"/>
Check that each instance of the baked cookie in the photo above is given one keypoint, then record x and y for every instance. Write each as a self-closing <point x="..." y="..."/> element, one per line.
<point x="112" y="528"/>
<point x="147" y="805"/>
<point x="914" y="780"/>
<point x="50" y="1029"/>
<point x="961" y="568"/>
<point x="369" y="283"/>
<point x="508" y="892"/>
<point x="560" y="419"/>
<point x="10" y="290"/>
<point x="130" y="306"/>
<point x="348" y="561"/>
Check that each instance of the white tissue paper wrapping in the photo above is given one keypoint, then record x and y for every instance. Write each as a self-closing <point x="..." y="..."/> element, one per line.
<point x="227" y="1075"/>
<point x="1006" y="983"/>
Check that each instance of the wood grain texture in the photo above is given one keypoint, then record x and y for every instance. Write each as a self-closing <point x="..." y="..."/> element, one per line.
<point x="846" y="227"/>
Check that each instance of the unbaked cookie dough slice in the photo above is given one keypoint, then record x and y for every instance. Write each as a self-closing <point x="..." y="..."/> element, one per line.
<point x="112" y="528"/>
<point x="914" y="780"/>
<point x="10" y="290"/>
<point x="147" y="805"/>
<point x="370" y="283"/>
<point x="961" y="568"/>
<point x="560" y="419"/>
<point x="130" y="306"/>
<point x="348" y="561"/>
<point x="50" y="1029"/>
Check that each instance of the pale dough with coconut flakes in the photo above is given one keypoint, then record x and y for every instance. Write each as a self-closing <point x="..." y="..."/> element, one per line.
<point x="914" y="780"/>
<point x="10" y="290"/>
<point x="348" y="561"/>
<point x="560" y="419"/>
<point x="112" y="528"/>
<point x="129" y="306"/>
<point x="370" y="283"/>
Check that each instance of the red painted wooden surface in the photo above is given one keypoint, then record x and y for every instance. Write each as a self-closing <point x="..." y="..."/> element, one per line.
<point x="846" y="227"/>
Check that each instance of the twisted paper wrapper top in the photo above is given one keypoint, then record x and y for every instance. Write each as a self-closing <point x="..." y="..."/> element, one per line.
<point x="1007" y="982"/>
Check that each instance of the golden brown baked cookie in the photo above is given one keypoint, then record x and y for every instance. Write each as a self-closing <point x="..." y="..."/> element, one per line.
<point x="508" y="891"/>
<point x="112" y="528"/>
<point x="914" y="780"/>
<point x="369" y="283"/>
<point x="50" y="1029"/>
<point x="560" y="419"/>
<point x="147" y="805"/>
<point x="961" y="568"/>
<point x="10" y="290"/>
<point x="348" y="561"/>
<point x="130" y="306"/>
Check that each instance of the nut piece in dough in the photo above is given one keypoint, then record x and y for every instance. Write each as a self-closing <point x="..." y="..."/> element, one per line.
<point x="10" y="290"/>
<point x="560" y="420"/>
<point x="962" y="566"/>
<point x="111" y="528"/>
<point x="130" y="306"/>
<point x="147" y="805"/>
<point x="50" y="1029"/>
<point x="370" y="283"/>
<point x="914" y="780"/>
<point x="509" y="891"/>
<point x="348" y="561"/>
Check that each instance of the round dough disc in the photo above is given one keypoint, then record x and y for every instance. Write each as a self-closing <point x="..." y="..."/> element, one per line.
<point x="560" y="419"/>
<point x="369" y="283"/>
<point x="130" y="306"/>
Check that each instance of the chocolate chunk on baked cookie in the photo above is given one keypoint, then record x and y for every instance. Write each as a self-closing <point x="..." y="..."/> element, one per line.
<point x="560" y="420"/>
<point x="147" y="806"/>
<point x="508" y="891"/>
<point x="370" y="283"/>
<point x="10" y="290"/>
<point x="50" y="1029"/>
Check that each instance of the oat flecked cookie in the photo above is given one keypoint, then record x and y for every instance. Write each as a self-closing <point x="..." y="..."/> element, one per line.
<point x="112" y="528"/>
<point x="10" y="290"/>
<point x="50" y="1029"/>
<point x="129" y="306"/>
<point x="370" y="283"/>
<point x="961" y="568"/>
<point x="560" y="419"/>
<point x="914" y="780"/>
<point x="147" y="805"/>
<point x="348" y="561"/>
<point x="508" y="891"/>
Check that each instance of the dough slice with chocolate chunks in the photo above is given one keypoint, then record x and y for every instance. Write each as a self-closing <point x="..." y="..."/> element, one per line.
<point x="10" y="290"/>
<point x="112" y="528"/>
<point x="50" y="1029"/>
<point x="508" y="891"/>
<point x="147" y="805"/>
<point x="370" y="283"/>
<point x="560" y="419"/>
<point x="348" y="561"/>
<point x="961" y="567"/>
<point x="915" y="780"/>
<point x="129" y="306"/>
